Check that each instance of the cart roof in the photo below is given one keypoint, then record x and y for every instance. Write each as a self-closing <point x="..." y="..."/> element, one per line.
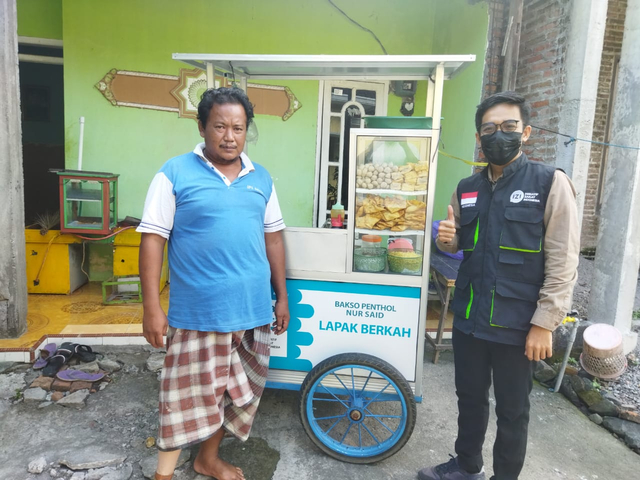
<point x="343" y="67"/>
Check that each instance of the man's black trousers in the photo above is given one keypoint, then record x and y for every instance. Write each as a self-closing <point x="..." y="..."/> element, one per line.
<point x="475" y="361"/>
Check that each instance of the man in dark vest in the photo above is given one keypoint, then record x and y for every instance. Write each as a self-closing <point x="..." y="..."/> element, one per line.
<point x="517" y="224"/>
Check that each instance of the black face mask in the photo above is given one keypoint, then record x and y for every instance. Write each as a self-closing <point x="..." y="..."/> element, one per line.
<point x="501" y="147"/>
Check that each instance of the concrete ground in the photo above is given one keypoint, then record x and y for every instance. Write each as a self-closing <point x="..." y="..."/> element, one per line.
<point x="563" y="443"/>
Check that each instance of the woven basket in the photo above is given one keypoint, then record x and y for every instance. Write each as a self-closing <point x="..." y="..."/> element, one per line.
<point x="602" y="354"/>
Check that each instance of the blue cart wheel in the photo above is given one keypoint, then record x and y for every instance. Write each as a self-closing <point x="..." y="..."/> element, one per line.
<point x="357" y="408"/>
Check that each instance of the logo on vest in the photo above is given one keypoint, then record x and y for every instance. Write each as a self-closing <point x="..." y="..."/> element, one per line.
<point x="517" y="196"/>
<point x="531" y="197"/>
<point x="468" y="199"/>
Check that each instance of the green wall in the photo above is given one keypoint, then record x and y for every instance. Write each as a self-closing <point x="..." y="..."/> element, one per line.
<point x="40" y="18"/>
<point x="141" y="35"/>
<point x="461" y="95"/>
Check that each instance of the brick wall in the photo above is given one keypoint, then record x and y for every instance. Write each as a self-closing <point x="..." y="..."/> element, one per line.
<point x="498" y="20"/>
<point x="540" y="77"/>
<point x="611" y="50"/>
<point x="493" y="62"/>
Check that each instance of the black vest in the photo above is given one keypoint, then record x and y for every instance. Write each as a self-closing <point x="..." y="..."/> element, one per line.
<point x="502" y="236"/>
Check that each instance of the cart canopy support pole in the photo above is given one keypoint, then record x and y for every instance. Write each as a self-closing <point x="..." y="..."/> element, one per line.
<point x="434" y="105"/>
<point x="430" y="91"/>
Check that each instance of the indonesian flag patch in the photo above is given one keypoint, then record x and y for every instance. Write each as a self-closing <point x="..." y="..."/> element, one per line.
<point x="469" y="199"/>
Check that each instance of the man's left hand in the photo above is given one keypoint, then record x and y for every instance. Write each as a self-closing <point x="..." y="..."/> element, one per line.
<point x="282" y="317"/>
<point x="539" y="343"/>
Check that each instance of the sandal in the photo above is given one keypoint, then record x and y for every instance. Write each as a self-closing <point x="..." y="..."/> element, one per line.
<point x="56" y="362"/>
<point x="45" y="354"/>
<point x="163" y="477"/>
<point x="71" y="375"/>
<point x="83" y="352"/>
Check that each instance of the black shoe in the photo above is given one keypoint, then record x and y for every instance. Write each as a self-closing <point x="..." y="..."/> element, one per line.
<point x="449" y="471"/>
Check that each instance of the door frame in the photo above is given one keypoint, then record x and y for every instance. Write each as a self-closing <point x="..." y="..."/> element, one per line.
<point x="324" y="129"/>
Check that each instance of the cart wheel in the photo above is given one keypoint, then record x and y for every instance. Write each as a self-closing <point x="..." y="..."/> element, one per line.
<point x="357" y="408"/>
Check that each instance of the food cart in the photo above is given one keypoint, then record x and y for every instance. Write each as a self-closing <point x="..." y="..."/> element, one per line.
<point x="358" y="295"/>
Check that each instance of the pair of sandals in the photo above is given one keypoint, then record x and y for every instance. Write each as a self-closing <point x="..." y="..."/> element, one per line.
<point x="53" y="358"/>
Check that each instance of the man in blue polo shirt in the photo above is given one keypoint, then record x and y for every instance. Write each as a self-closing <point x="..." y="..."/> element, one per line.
<point x="221" y="216"/>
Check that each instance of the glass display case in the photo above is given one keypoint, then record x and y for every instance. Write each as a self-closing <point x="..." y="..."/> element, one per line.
<point x="389" y="193"/>
<point x="88" y="201"/>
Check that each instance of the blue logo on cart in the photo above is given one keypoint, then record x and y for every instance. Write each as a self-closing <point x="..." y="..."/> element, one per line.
<point x="295" y="337"/>
<point x="364" y="310"/>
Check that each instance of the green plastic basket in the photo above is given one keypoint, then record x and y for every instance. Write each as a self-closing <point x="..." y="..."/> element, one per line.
<point x="415" y="123"/>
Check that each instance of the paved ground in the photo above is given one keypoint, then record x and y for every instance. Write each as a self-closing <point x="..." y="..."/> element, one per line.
<point x="564" y="444"/>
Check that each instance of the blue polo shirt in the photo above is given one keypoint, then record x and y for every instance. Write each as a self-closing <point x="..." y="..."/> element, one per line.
<point x="220" y="275"/>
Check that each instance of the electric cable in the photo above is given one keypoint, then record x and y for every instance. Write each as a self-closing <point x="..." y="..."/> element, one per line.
<point x="360" y="26"/>
<point x="468" y="162"/>
<point x="36" y="281"/>
<point x="84" y="244"/>
<point x="105" y="237"/>
<point x="573" y="139"/>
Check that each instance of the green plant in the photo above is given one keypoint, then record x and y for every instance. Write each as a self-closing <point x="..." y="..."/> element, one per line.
<point x="596" y="385"/>
<point x="636" y="315"/>
<point x="572" y="361"/>
<point x="18" y="394"/>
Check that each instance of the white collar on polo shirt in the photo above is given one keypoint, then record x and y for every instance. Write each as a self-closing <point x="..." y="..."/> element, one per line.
<point x="247" y="166"/>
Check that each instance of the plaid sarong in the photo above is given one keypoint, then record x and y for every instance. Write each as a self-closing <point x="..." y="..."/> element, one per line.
<point x="211" y="380"/>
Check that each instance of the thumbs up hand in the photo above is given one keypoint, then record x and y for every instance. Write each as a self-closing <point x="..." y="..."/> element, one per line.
<point x="447" y="228"/>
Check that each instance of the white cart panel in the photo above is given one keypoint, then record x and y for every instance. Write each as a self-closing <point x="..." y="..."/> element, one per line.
<point x="328" y="318"/>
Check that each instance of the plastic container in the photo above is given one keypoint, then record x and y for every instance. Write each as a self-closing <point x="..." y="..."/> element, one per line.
<point x="602" y="353"/>
<point x="416" y="123"/>
<point x="406" y="262"/>
<point x="401" y="244"/>
<point x="371" y="244"/>
<point x="337" y="216"/>
<point x="369" y="262"/>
